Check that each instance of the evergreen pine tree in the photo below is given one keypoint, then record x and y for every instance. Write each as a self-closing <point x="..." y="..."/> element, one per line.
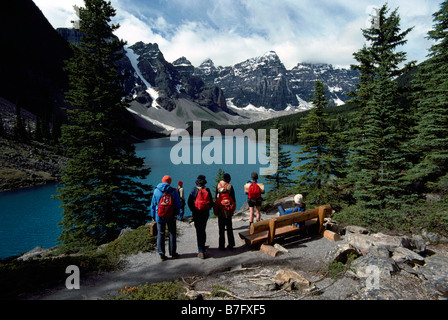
<point x="315" y="158"/>
<point x="282" y="178"/>
<point x="101" y="192"/>
<point x="431" y="141"/>
<point x="218" y="179"/>
<point x="378" y="158"/>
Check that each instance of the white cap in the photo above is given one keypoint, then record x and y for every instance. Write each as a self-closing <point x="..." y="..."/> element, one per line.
<point x="298" y="199"/>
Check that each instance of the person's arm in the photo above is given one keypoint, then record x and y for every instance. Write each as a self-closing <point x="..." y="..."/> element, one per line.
<point x="181" y="193"/>
<point x="232" y="194"/>
<point x="191" y="199"/>
<point x="176" y="199"/>
<point x="154" y="203"/>
<point x="210" y="198"/>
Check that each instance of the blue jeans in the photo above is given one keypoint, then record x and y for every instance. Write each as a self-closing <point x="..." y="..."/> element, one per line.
<point x="161" y="229"/>
<point x="181" y="210"/>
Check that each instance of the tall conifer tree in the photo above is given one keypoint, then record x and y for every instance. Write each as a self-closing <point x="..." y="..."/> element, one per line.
<point x="378" y="158"/>
<point x="431" y="141"/>
<point x="315" y="157"/>
<point x="282" y="178"/>
<point x="101" y="193"/>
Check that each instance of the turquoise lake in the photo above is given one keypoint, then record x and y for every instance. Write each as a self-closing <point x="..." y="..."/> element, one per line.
<point x="29" y="217"/>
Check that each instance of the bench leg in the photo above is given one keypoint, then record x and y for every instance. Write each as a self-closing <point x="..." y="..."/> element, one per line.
<point x="271" y="235"/>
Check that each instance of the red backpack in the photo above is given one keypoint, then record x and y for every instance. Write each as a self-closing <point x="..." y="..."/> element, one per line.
<point x="254" y="191"/>
<point x="225" y="200"/>
<point x="202" y="201"/>
<point x="166" y="206"/>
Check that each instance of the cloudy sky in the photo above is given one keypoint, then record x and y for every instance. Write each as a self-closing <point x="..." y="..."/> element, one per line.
<point x="231" y="31"/>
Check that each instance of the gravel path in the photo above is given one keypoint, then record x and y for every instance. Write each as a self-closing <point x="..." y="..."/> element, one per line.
<point x="304" y="253"/>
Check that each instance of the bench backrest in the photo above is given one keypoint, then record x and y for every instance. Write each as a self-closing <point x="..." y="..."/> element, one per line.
<point x="296" y="217"/>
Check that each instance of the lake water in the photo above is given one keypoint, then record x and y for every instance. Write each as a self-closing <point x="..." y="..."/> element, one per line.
<point x="29" y="217"/>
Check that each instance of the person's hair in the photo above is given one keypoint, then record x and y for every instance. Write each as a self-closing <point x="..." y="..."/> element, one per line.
<point x="254" y="176"/>
<point x="226" y="177"/>
<point x="201" y="181"/>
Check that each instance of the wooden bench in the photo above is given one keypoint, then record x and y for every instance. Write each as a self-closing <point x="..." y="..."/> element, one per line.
<point x="267" y="230"/>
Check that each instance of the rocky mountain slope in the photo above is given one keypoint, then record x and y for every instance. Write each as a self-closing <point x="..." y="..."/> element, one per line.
<point x="256" y="89"/>
<point x="162" y="95"/>
<point x="265" y="82"/>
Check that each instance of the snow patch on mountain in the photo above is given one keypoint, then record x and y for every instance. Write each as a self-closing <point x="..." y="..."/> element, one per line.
<point x="133" y="57"/>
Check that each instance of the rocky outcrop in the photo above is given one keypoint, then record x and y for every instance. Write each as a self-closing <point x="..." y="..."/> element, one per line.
<point x="379" y="260"/>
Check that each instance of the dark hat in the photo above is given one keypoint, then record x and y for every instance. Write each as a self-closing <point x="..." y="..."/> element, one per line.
<point x="201" y="180"/>
<point x="226" y="177"/>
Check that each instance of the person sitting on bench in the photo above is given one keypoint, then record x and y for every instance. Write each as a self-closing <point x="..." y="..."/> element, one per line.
<point x="298" y="206"/>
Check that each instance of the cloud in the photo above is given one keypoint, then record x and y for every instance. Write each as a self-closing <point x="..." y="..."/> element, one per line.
<point x="59" y="13"/>
<point x="231" y="31"/>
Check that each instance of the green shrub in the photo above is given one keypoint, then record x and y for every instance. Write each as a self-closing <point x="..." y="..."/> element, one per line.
<point x="172" y="290"/>
<point x="421" y="215"/>
<point x="21" y="277"/>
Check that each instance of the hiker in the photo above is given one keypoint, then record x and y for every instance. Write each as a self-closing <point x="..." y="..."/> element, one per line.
<point x="165" y="206"/>
<point x="224" y="208"/>
<point x="298" y="206"/>
<point x="254" y="191"/>
<point x="200" y="202"/>
<point x="180" y="190"/>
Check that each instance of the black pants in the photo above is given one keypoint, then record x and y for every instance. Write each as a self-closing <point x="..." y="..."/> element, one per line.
<point x="223" y="224"/>
<point x="200" y="219"/>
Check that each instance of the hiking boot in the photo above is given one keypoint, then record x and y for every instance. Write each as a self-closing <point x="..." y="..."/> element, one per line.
<point x="201" y="255"/>
<point x="163" y="257"/>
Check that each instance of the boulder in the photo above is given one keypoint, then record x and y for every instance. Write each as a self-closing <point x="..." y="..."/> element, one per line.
<point x="364" y="242"/>
<point x="418" y="244"/>
<point x="404" y="255"/>
<point x="356" y="229"/>
<point x="379" y="251"/>
<point x="124" y="231"/>
<point x="341" y="252"/>
<point x="364" y="266"/>
<point x="435" y="271"/>
<point x="283" y="277"/>
<point x="37" y="252"/>
<point x="330" y="224"/>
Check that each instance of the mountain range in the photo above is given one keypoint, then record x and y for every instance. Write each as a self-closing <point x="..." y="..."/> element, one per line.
<point x="170" y="94"/>
<point x="163" y="95"/>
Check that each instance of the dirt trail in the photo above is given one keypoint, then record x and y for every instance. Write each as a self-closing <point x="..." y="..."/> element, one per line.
<point x="304" y="253"/>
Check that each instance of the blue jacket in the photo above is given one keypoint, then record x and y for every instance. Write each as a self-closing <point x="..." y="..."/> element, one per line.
<point x="296" y="209"/>
<point x="158" y="193"/>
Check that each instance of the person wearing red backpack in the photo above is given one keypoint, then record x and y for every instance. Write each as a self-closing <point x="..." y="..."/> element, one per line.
<point x="225" y="205"/>
<point x="200" y="202"/>
<point x="254" y="191"/>
<point x="164" y="208"/>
